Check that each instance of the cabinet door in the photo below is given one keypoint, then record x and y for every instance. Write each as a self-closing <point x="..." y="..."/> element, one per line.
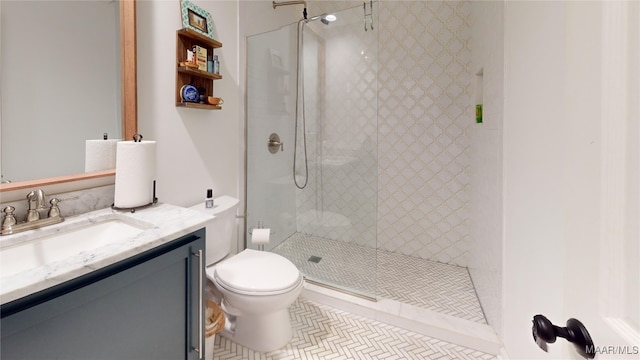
<point x="148" y="310"/>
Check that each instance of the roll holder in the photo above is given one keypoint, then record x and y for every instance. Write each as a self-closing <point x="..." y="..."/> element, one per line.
<point x="260" y="226"/>
<point x="133" y="209"/>
<point x="138" y="138"/>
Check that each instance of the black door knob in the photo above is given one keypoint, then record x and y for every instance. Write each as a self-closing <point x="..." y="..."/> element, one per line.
<point x="544" y="332"/>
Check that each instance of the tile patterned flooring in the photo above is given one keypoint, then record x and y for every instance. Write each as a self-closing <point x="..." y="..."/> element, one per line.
<point x="423" y="283"/>
<point x="323" y="332"/>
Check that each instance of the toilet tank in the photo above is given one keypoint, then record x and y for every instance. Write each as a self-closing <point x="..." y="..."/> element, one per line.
<point x="220" y="231"/>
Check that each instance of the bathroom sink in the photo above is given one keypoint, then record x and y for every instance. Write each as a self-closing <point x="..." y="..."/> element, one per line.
<point x="65" y="242"/>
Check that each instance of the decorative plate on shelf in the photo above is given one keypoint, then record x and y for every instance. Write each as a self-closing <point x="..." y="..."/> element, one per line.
<point x="189" y="93"/>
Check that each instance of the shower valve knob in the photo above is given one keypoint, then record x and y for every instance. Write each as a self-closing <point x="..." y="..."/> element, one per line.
<point x="274" y="144"/>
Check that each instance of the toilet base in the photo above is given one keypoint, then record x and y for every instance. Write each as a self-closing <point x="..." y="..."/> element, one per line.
<point x="261" y="332"/>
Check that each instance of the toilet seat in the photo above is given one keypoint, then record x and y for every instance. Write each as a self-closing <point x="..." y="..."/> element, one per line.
<point x="253" y="272"/>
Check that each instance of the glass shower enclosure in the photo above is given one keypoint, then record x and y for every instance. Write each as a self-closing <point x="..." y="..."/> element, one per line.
<point x="311" y="134"/>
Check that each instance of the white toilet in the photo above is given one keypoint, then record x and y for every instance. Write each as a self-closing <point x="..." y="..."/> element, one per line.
<point x="257" y="287"/>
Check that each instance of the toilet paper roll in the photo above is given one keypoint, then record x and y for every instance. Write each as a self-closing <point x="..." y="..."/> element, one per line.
<point x="260" y="236"/>
<point x="135" y="173"/>
<point x="100" y="155"/>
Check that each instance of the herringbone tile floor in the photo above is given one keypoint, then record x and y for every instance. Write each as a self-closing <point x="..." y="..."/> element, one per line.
<point x="381" y="274"/>
<point x="321" y="332"/>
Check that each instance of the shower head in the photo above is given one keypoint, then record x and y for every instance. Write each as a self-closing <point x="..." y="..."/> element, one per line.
<point x="324" y="18"/>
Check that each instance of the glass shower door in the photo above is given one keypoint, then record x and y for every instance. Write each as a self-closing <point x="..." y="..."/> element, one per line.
<point x="325" y="115"/>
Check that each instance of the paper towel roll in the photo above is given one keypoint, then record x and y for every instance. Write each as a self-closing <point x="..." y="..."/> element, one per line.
<point x="260" y="236"/>
<point x="135" y="173"/>
<point x="100" y="155"/>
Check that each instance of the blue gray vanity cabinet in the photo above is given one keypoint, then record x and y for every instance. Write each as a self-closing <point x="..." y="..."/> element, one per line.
<point x="145" y="307"/>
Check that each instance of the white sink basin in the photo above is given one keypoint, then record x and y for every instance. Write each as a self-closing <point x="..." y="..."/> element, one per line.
<point x="64" y="243"/>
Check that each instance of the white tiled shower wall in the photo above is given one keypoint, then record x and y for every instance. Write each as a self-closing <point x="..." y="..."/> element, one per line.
<point x="341" y="108"/>
<point x="424" y="113"/>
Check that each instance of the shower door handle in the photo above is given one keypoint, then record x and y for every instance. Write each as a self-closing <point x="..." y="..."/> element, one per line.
<point x="274" y="144"/>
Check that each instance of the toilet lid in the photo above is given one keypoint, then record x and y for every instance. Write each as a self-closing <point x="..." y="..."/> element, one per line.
<point x="257" y="271"/>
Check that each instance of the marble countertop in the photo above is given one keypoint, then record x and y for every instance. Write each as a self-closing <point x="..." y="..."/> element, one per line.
<point x="163" y="223"/>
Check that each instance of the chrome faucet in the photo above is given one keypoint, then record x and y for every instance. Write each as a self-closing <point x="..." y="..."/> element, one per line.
<point x="36" y="200"/>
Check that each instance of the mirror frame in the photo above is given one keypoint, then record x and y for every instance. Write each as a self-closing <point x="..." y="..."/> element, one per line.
<point x="129" y="99"/>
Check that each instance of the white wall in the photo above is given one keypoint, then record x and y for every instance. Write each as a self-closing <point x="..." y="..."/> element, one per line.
<point x="485" y="159"/>
<point x="534" y="134"/>
<point x="196" y="149"/>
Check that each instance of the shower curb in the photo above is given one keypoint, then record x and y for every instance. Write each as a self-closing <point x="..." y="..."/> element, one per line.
<point x="448" y="328"/>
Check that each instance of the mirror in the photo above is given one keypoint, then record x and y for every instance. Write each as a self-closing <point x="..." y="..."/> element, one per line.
<point x="127" y="94"/>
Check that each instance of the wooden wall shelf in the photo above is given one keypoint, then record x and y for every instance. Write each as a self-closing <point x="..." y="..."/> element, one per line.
<point x="199" y="106"/>
<point x="186" y="39"/>
<point x="196" y="72"/>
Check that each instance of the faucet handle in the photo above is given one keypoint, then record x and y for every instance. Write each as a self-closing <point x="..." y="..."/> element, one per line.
<point x="9" y="218"/>
<point x="54" y="210"/>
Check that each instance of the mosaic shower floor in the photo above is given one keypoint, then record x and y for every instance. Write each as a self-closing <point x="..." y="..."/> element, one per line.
<point x="423" y="283"/>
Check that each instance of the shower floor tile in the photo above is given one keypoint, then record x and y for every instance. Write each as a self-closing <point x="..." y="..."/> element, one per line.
<point x="322" y="332"/>
<point x="427" y="284"/>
